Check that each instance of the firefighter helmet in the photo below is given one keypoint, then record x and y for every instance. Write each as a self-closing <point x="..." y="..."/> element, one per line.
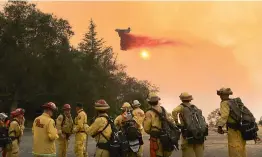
<point x="50" y="105"/>
<point x="101" y="105"/>
<point x="66" y="107"/>
<point x="185" y="96"/>
<point x="17" y="112"/>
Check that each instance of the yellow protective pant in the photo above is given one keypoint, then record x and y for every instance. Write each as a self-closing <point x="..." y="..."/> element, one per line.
<point x="14" y="149"/>
<point x="80" y="145"/>
<point x="86" y="144"/>
<point x="143" y="132"/>
<point x="192" y="150"/>
<point x="236" y="144"/>
<point x="62" y="147"/>
<point x="138" y="154"/>
<point x="101" y="153"/>
<point x="43" y="156"/>
<point x="156" y="149"/>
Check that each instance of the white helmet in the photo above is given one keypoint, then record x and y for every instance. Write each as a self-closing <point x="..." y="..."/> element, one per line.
<point x="3" y="116"/>
<point x="136" y="103"/>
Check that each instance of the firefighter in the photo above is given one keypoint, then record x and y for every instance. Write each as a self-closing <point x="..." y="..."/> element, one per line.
<point x="100" y="130"/>
<point x="236" y="144"/>
<point x="3" y="119"/>
<point x="188" y="150"/>
<point x="119" y="119"/>
<point x="79" y="130"/>
<point x="152" y="125"/>
<point x="15" y="131"/>
<point x="139" y="116"/>
<point x="4" y="123"/>
<point x="45" y="132"/>
<point x="138" y="113"/>
<point x="64" y="125"/>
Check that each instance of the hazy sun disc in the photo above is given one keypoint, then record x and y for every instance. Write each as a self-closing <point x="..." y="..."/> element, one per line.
<point x="144" y="55"/>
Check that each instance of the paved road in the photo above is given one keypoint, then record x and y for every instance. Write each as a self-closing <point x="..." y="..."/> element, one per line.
<point x="215" y="146"/>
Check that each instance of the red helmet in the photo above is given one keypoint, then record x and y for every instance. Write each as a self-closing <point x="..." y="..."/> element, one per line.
<point x="101" y="105"/>
<point x="66" y="107"/>
<point x="101" y="102"/>
<point x="50" y="105"/>
<point x="17" y="112"/>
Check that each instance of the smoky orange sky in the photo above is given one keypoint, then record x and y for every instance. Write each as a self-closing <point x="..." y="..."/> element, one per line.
<point x="225" y="50"/>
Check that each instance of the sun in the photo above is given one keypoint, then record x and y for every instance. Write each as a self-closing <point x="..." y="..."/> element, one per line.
<point x="144" y="54"/>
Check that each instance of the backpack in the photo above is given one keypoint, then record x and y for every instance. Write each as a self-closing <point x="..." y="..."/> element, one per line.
<point x="169" y="133"/>
<point x="4" y="138"/>
<point x="130" y="128"/>
<point x="133" y="135"/>
<point x="117" y="145"/>
<point x="195" y="128"/>
<point x="246" y="122"/>
<point x="4" y="134"/>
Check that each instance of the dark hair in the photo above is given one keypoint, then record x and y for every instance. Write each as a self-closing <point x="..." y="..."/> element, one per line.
<point x="153" y="103"/>
<point x="80" y="105"/>
<point x="102" y="111"/>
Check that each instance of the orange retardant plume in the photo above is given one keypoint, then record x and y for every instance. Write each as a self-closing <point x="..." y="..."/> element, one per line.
<point x="131" y="41"/>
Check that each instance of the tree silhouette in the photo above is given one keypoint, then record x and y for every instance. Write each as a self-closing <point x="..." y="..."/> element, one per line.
<point x="213" y="117"/>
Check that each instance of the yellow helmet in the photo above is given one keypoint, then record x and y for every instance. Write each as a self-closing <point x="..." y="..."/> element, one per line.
<point x="224" y="91"/>
<point x="153" y="97"/>
<point x="125" y="105"/>
<point x="185" y="96"/>
<point x="101" y="105"/>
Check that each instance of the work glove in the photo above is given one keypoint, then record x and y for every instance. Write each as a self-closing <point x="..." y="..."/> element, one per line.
<point x="63" y="136"/>
<point x="220" y="130"/>
<point x="74" y="130"/>
<point x="179" y="126"/>
<point x="86" y="126"/>
<point x="257" y="140"/>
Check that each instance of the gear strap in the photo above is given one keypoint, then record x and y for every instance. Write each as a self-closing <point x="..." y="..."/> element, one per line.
<point x="63" y="121"/>
<point x="101" y="132"/>
<point x="162" y="116"/>
<point x="13" y="131"/>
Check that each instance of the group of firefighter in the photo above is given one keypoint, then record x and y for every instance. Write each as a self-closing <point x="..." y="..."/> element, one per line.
<point x="47" y="130"/>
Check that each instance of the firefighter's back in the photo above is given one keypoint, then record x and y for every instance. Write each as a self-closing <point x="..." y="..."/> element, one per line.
<point x="44" y="135"/>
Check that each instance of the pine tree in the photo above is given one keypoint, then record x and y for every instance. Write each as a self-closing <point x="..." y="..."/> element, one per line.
<point x="97" y="51"/>
<point x="91" y="44"/>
